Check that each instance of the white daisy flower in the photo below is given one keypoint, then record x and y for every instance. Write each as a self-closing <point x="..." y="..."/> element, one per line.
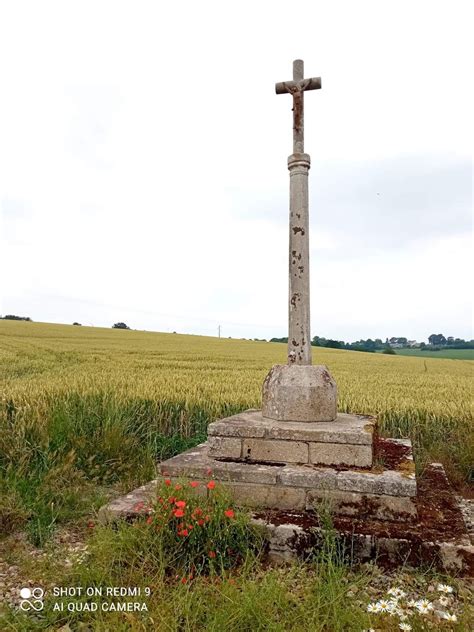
<point x="384" y="605"/>
<point x="411" y="603"/>
<point x="450" y="617"/>
<point x="424" y="606"/>
<point x="445" y="588"/>
<point x="373" y="607"/>
<point x="405" y="626"/>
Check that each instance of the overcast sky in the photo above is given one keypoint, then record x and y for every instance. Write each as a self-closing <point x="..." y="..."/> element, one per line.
<point x="143" y="167"/>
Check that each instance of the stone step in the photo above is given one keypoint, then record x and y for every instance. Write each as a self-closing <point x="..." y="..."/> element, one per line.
<point x="346" y="441"/>
<point x="385" y="494"/>
<point x="438" y="537"/>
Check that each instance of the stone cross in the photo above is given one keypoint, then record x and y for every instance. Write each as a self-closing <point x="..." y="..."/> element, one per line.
<point x="299" y="336"/>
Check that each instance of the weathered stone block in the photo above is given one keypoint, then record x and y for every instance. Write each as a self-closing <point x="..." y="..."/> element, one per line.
<point x="351" y="429"/>
<point x="294" y="392"/>
<point x="225" y="447"/>
<point x="245" y="472"/>
<point x="197" y="464"/>
<point x="308" y="477"/>
<point x="340" y="454"/>
<point x="124" y="506"/>
<point x="246" y="424"/>
<point x="390" y="482"/>
<point x="358" y="505"/>
<point x="268" y="496"/>
<point x="275" y="451"/>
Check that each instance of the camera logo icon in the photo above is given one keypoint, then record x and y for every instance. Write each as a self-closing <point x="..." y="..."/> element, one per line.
<point x="32" y="599"/>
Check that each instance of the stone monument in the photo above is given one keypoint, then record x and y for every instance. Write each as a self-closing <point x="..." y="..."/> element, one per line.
<point x="298" y="451"/>
<point x="299" y="391"/>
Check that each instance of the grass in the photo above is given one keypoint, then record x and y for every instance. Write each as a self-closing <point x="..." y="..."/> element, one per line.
<point x="322" y="595"/>
<point x="451" y="354"/>
<point x="86" y="412"/>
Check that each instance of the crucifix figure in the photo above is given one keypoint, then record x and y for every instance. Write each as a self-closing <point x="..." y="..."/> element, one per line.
<point x="299" y="336"/>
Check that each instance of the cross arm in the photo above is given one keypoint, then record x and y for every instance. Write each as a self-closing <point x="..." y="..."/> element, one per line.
<point x="289" y="86"/>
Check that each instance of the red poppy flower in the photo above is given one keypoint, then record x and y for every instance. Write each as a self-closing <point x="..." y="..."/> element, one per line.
<point x="168" y="482"/>
<point x="209" y="472"/>
<point x="90" y="524"/>
<point x="194" y="483"/>
<point x="180" y="503"/>
<point x="183" y="580"/>
<point x="212" y="554"/>
<point x="197" y="512"/>
<point x="149" y="520"/>
<point x="183" y="532"/>
<point x="229" y="513"/>
<point x="179" y="513"/>
<point x="200" y="522"/>
<point x="178" y="486"/>
<point x="172" y="500"/>
<point x="211" y="485"/>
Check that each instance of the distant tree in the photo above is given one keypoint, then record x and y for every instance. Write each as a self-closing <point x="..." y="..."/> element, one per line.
<point x="77" y="324"/>
<point x="399" y="341"/>
<point x="437" y="339"/>
<point x="334" y="344"/>
<point x="14" y="317"/>
<point x="278" y="339"/>
<point x="317" y="341"/>
<point x="120" y="326"/>
<point x="389" y="351"/>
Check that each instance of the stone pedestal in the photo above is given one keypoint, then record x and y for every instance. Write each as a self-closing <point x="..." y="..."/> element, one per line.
<point x="295" y="466"/>
<point x="381" y="494"/>
<point x="250" y="437"/>
<point x="294" y="392"/>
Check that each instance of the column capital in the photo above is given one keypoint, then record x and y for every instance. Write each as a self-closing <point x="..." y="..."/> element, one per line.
<point x="299" y="160"/>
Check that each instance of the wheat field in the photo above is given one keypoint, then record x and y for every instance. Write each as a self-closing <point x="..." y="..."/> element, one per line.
<point x="171" y="384"/>
<point x="85" y="413"/>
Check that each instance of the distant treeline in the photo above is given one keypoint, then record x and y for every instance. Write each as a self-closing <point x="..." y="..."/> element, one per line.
<point x="369" y="345"/>
<point x="13" y="317"/>
<point x="437" y="343"/>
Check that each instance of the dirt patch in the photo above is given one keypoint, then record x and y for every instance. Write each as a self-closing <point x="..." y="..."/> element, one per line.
<point x="392" y="454"/>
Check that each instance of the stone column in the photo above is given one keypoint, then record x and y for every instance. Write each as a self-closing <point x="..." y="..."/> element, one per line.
<point x="299" y="391"/>
<point x="299" y="336"/>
